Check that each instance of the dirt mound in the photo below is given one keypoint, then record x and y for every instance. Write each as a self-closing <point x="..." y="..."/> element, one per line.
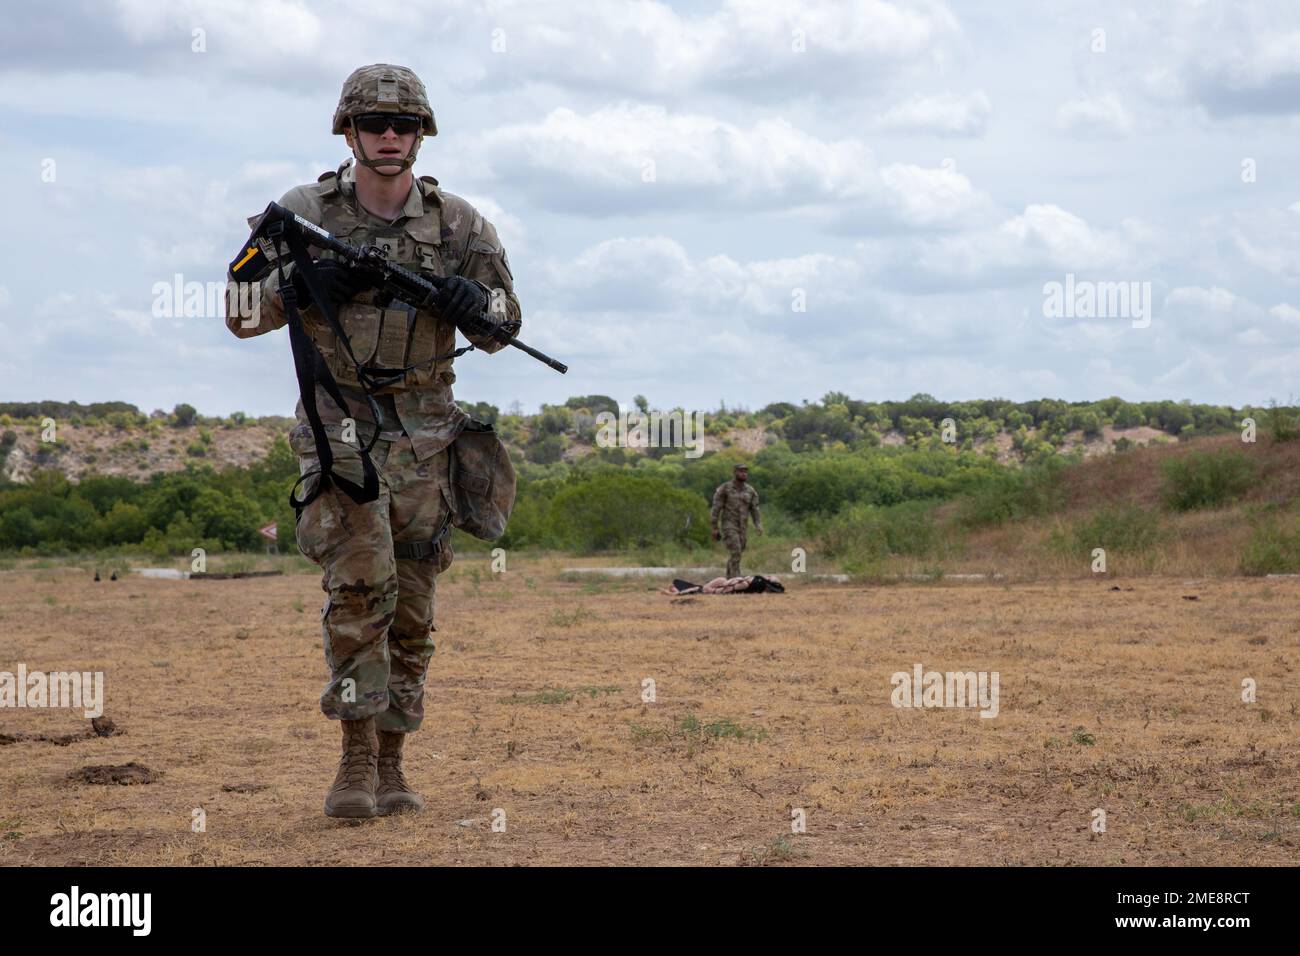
<point x="59" y="740"/>
<point x="125" y="774"/>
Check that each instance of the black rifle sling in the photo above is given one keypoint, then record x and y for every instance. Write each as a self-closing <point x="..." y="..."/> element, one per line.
<point x="311" y="370"/>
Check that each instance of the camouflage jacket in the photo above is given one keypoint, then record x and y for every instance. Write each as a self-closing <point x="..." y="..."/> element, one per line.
<point x="733" y="503"/>
<point x="437" y="233"/>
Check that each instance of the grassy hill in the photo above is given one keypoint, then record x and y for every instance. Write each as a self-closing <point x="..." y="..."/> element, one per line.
<point x="116" y="438"/>
<point x="1208" y="506"/>
<point x="884" y="491"/>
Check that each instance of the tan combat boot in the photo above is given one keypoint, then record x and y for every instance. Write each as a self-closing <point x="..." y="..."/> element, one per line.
<point x="395" y="796"/>
<point x="353" y="793"/>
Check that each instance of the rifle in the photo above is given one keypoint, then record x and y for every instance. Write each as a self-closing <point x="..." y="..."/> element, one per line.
<point x="410" y="288"/>
<point x="262" y="254"/>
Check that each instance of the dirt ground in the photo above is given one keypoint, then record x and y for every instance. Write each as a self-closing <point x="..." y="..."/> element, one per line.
<point x="1116" y="695"/>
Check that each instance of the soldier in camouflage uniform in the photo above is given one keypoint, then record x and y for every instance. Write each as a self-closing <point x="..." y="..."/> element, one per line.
<point x="733" y="504"/>
<point x="380" y="559"/>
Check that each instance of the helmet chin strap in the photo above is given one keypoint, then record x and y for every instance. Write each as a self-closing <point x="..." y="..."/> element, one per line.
<point x="404" y="164"/>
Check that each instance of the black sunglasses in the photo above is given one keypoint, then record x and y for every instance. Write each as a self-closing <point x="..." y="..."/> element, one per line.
<point x="377" y="123"/>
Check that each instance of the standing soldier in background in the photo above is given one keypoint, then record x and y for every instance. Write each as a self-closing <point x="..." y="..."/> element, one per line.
<point x="380" y="558"/>
<point x="733" y="503"/>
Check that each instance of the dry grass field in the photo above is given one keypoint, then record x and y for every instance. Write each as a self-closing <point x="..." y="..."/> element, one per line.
<point x="1121" y="694"/>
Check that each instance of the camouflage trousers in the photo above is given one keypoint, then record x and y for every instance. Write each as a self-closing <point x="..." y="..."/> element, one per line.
<point x="733" y="539"/>
<point x="378" y="616"/>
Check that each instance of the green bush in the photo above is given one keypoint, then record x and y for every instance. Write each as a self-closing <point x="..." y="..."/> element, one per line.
<point x="1012" y="494"/>
<point x="184" y="415"/>
<point x="545" y="449"/>
<point x="1281" y="422"/>
<point x="624" y="511"/>
<point x="1272" y="549"/>
<point x="865" y="533"/>
<point x="124" y="524"/>
<point x="1127" y="528"/>
<point x="1205" y="479"/>
<point x="18" y="529"/>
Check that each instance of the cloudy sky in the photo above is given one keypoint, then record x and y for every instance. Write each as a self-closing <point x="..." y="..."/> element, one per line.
<point x="745" y="200"/>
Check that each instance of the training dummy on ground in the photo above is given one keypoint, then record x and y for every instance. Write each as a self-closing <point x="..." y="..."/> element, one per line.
<point x="748" y="584"/>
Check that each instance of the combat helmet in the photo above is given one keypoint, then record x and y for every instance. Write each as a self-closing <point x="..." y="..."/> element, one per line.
<point x="385" y="88"/>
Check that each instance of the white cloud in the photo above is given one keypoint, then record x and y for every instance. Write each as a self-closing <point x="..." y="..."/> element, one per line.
<point x="1269" y="240"/>
<point x="745" y="48"/>
<point x="1095" y="116"/>
<point x="510" y="228"/>
<point x="1213" y="299"/>
<point x="637" y="158"/>
<point x="1284" y="312"/>
<point x="1208" y="315"/>
<point x="654" y="274"/>
<point x="1043" y="242"/>
<point x="1228" y="59"/>
<point x="1190" y="376"/>
<point x="255" y="29"/>
<point x="775" y="170"/>
<point x="946" y="114"/>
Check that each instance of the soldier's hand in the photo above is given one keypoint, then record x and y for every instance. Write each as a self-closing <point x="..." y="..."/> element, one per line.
<point x="716" y="535"/>
<point x="758" y="531"/>
<point x="463" y="302"/>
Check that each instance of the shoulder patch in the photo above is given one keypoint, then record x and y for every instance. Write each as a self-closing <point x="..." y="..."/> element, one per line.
<point x="327" y="184"/>
<point x="432" y="195"/>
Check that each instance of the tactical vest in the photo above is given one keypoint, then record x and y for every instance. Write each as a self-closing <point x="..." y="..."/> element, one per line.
<point x="386" y="337"/>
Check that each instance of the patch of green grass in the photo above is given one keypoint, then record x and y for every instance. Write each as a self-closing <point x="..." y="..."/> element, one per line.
<point x="1207" y="479"/>
<point x="1127" y="528"/>
<point x="1082" y="737"/>
<point x="1281" y="422"/>
<point x="1013" y="494"/>
<point x="1225" y="807"/>
<point x="570" y="618"/>
<point x="780" y="850"/>
<point x="555" y="695"/>
<point x="560" y="695"/>
<point x="691" y="730"/>
<point x="1273" y="548"/>
<point x="863" y="534"/>
<point x="691" y="726"/>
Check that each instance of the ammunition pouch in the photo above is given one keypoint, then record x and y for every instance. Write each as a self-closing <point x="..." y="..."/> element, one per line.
<point x="482" y="482"/>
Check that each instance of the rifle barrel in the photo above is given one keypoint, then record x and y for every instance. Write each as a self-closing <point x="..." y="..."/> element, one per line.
<point x="414" y="282"/>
